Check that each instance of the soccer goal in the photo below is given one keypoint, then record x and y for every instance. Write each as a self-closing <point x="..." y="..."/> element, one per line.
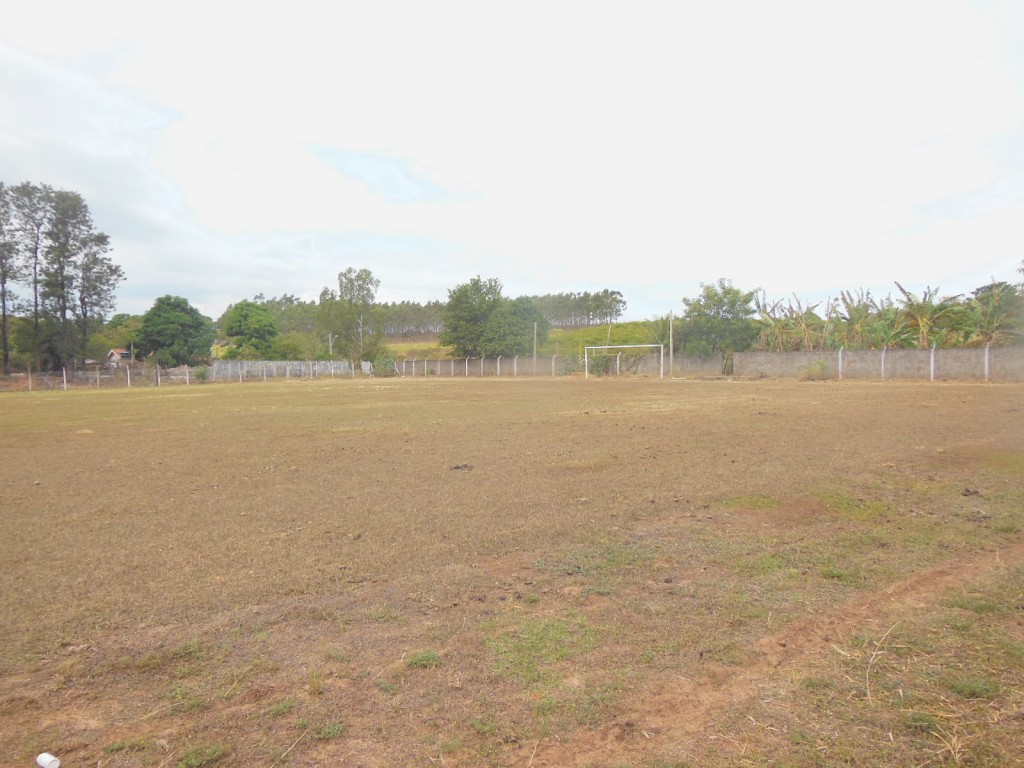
<point x="589" y="351"/>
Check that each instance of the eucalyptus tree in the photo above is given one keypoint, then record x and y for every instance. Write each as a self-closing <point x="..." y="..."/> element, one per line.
<point x="98" y="278"/>
<point x="78" y="279"/>
<point x="357" y="290"/>
<point x="11" y="272"/>
<point x="32" y="205"/>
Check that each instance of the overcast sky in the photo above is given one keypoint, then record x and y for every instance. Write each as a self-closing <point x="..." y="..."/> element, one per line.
<point x="805" y="148"/>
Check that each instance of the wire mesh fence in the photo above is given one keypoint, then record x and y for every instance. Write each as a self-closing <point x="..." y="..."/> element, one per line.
<point x="978" y="364"/>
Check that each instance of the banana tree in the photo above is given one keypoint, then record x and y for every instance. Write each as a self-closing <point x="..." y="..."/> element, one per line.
<point x="852" y="318"/>
<point x="994" y="315"/>
<point x="928" y="318"/>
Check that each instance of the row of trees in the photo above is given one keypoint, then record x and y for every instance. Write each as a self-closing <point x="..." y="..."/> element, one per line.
<point x="725" y="319"/>
<point x="573" y="310"/>
<point x="57" y="281"/>
<point x="478" y="320"/>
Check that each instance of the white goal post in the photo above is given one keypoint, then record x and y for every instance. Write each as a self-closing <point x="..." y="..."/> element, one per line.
<point x="586" y="355"/>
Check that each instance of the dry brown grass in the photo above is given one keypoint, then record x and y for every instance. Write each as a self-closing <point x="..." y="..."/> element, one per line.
<point x="513" y="572"/>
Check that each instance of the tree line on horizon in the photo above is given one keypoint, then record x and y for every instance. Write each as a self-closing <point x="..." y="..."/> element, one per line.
<point x="58" y="283"/>
<point x="478" y="320"/>
<point x="347" y="322"/>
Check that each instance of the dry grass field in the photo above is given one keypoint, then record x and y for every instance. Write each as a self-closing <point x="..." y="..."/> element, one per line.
<point x="505" y="572"/>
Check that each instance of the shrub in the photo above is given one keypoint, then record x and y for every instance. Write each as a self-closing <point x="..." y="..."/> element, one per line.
<point x="384" y="365"/>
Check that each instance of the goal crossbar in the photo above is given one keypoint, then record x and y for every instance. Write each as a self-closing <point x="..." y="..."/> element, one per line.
<point x="586" y="355"/>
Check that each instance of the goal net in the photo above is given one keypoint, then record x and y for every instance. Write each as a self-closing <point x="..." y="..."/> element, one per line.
<point x="589" y="353"/>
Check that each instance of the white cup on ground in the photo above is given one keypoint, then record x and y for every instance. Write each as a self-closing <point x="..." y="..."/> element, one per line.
<point x="46" y="760"/>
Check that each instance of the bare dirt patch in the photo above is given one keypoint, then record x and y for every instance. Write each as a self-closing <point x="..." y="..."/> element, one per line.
<point x="501" y="572"/>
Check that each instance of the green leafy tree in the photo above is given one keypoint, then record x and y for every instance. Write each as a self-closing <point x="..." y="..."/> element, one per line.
<point x="33" y="209"/>
<point x="510" y="328"/>
<point x="11" y="272"/>
<point x="120" y="332"/>
<point x="929" y="317"/>
<point x="78" y="278"/>
<point x="889" y="328"/>
<point x="995" y="315"/>
<point x="852" y="313"/>
<point x="357" y="290"/>
<point x="719" y="321"/>
<point x="469" y="309"/>
<point x="176" y="333"/>
<point x="49" y="243"/>
<point x="252" y="329"/>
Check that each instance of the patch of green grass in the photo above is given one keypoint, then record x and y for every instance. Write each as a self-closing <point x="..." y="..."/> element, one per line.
<point x="571" y="707"/>
<point x="731" y="653"/>
<point x="854" y="507"/>
<point x="382" y="613"/>
<point x="849" y="576"/>
<point x="752" y="501"/>
<point x="314" y="683"/>
<point x="328" y="731"/>
<point x="977" y="604"/>
<point x="922" y="721"/>
<point x="761" y="565"/>
<point x="973" y="687"/>
<point x="450" y="745"/>
<point x="529" y="650"/>
<point x="128" y="745"/>
<point x="282" y="707"/>
<point x="199" y="757"/>
<point x="187" y="659"/>
<point x="485" y="726"/>
<point x="184" y="700"/>
<point x="386" y="686"/>
<point x="423" y="660"/>
<point x="1009" y="461"/>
